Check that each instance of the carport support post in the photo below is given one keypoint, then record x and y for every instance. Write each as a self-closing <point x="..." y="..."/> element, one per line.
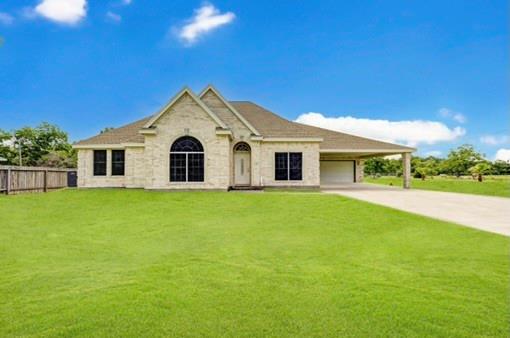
<point x="406" y="167"/>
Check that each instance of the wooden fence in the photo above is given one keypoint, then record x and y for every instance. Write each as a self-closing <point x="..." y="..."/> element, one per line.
<point x="32" y="179"/>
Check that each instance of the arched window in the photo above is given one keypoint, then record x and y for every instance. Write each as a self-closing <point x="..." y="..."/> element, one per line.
<point x="186" y="160"/>
<point x="242" y="146"/>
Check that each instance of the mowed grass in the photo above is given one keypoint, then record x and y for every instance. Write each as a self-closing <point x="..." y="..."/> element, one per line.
<point x="491" y="186"/>
<point x="97" y="263"/>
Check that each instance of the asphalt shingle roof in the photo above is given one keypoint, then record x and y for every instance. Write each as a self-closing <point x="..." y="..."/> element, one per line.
<point x="267" y="124"/>
<point x="272" y="125"/>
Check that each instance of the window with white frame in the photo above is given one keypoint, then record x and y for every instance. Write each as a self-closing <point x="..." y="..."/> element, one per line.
<point x="187" y="160"/>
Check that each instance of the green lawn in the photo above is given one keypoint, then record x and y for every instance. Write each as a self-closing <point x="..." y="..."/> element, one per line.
<point x="491" y="186"/>
<point x="131" y="263"/>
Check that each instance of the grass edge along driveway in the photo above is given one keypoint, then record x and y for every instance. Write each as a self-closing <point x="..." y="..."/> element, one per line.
<point x="491" y="186"/>
<point x="135" y="263"/>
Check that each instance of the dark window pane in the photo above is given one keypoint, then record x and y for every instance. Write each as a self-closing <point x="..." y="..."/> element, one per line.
<point x="187" y="144"/>
<point x="242" y="146"/>
<point x="195" y="167"/>
<point x="281" y="166"/>
<point x="118" y="162"/>
<point x="177" y="167"/>
<point x="295" y="166"/>
<point x="99" y="162"/>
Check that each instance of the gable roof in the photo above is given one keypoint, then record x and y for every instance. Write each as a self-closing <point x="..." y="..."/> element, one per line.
<point x="229" y="106"/>
<point x="125" y="134"/>
<point x="183" y="92"/>
<point x="266" y="123"/>
<point x="272" y="125"/>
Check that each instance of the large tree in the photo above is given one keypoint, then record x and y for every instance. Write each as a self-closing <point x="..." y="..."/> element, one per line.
<point x="32" y="146"/>
<point x="461" y="159"/>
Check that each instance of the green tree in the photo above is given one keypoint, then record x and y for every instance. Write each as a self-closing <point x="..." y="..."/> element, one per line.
<point x="59" y="159"/>
<point x="422" y="172"/>
<point x="31" y="146"/>
<point x="6" y="149"/>
<point x="461" y="159"/>
<point x="501" y="168"/>
<point x="375" y="166"/>
<point x="392" y="167"/>
<point x="480" y="169"/>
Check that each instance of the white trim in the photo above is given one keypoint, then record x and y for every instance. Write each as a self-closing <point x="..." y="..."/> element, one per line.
<point x="292" y="139"/>
<point x="256" y="138"/>
<point x="183" y="91"/>
<point x="362" y="151"/>
<point x="109" y="146"/>
<point x="223" y="132"/>
<point x="133" y="145"/>
<point x="147" y="131"/>
<point x="98" y="146"/>
<point x="229" y="106"/>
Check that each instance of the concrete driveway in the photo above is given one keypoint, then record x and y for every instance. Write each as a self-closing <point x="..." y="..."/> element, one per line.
<point x="480" y="212"/>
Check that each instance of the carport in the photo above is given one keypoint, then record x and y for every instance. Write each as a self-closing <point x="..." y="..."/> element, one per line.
<point x="344" y="166"/>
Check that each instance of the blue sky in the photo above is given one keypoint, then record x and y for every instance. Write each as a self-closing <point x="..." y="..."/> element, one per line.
<point x="435" y="72"/>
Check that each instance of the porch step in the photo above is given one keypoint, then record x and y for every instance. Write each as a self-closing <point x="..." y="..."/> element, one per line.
<point x="244" y="188"/>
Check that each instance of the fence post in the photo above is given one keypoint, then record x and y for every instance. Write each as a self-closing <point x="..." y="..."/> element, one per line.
<point x="8" y="182"/>
<point x="45" y="181"/>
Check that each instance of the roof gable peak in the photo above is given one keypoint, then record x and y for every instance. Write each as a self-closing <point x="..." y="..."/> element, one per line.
<point x="185" y="91"/>
<point x="211" y="88"/>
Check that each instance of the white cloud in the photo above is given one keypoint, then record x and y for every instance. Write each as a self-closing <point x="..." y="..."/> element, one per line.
<point x="62" y="11"/>
<point x="494" y="140"/>
<point x="409" y="132"/>
<point x="127" y="2"/>
<point x="503" y="155"/>
<point x="456" y="116"/>
<point x="6" y="19"/>
<point x="113" y="16"/>
<point x="206" y="19"/>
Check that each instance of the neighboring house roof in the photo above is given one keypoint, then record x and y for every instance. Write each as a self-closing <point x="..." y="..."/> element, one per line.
<point x="268" y="124"/>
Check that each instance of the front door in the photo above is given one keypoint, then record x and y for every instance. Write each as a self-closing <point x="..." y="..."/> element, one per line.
<point x="242" y="168"/>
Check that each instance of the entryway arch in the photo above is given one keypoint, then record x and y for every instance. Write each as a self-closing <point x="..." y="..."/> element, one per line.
<point x="242" y="164"/>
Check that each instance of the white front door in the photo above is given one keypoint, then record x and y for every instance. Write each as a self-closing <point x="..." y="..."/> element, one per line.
<point x="242" y="168"/>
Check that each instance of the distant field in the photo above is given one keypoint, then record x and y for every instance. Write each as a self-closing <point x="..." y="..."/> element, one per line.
<point x="491" y="186"/>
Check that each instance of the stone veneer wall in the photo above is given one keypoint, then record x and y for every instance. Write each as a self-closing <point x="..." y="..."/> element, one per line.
<point x="240" y="133"/>
<point x="311" y="172"/>
<point x="135" y="167"/>
<point x="360" y="171"/>
<point x="86" y="178"/>
<point x="186" y="117"/>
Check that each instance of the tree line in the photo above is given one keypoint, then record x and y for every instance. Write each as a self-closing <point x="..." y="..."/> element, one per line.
<point x="464" y="160"/>
<point x="45" y="145"/>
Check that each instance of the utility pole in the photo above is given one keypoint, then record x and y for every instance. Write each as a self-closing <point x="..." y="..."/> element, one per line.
<point x="18" y="140"/>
